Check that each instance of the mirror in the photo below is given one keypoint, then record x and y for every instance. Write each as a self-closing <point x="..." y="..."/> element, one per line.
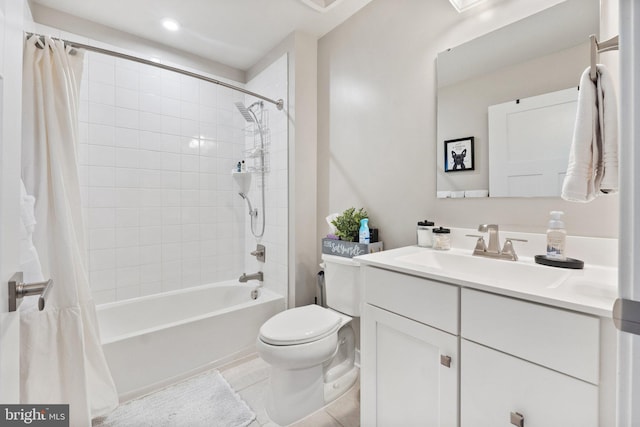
<point x="526" y="74"/>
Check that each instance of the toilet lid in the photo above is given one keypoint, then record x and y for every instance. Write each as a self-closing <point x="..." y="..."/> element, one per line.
<point x="300" y="325"/>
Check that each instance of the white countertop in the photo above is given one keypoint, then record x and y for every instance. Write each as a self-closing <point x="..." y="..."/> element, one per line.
<point x="591" y="290"/>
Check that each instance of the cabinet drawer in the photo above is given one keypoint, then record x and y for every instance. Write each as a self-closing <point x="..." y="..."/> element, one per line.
<point x="494" y="385"/>
<point x="428" y="302"/>
<point x="559" y="339"/>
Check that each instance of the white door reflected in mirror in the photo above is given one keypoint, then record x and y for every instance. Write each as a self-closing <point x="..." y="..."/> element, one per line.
<point x="530" y="142"/>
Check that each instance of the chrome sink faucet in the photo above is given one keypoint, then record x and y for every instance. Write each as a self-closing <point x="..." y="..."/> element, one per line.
<point x="493" y="249"/>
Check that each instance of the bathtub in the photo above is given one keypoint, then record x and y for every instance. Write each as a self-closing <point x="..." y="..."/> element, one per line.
<point x="153" y="341"/>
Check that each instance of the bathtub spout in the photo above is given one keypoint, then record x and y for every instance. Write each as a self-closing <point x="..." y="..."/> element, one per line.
<point x="255" y="276"/>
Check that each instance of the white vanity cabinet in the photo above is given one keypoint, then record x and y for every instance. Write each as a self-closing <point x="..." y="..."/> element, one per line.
<point x="511" y="361"/>
<point x="527" y="364"/>
<point x="409" y="351"/>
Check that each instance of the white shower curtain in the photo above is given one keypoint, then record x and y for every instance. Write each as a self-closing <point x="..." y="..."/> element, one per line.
<point x="61" y="355"/>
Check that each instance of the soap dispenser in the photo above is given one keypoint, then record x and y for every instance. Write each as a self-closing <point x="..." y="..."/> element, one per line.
<point x="556" y="236"/>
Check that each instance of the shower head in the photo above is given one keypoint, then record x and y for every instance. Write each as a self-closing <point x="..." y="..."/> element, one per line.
<point x="245" y="113"/>
<point x="244" y="196"/>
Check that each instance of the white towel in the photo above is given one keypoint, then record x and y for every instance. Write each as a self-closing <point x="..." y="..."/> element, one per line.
<point x="593" y="159"/>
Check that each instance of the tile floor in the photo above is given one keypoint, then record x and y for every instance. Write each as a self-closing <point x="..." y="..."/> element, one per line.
<point x="249" y="376"/>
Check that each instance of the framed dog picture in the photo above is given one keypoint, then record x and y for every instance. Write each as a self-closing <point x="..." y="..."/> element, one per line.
<point x="458" y="155"/>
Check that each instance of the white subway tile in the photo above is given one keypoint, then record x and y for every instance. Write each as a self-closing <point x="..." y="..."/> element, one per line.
<point x="104" y="297"/>
<point x="170" y="107"/>
<point x="150" y="160"/>
<point x="191" y="251"/>
<point x="101" y="218"/>
<point x="127" y="118"/>
<point x="102" y="238"/>
<point x="126" y="78"/>
<point x="150" y="197"/>
<point x="102" y="93"/>
<point x="101" y="72"/>
<point x="127" y="138"/>
<point x="189" y="181"/>
<point x="151" y="103"/>
<point x="127" y="98"/>
<point x="171" y="180"/>
<point x="171" y="125"/>
<point x="208" y="181"/>
<point x="208" y="248"/>
<point x="210" y="165"/>
<point x="171" y="161"/>
<point x="102" y="197"/>
<point x="189" y="163"/>
<point x="208" y="94"/>
<point x="208" y="131"/>
<point x="127" y="178"/>
<point x="208" y="115"/>
<point x="170" y="87"/>
<point x="127" y="292"/>
<point x="171" y="143"/>
<point x="102" y="259"/>
<point x="127" y="276"/>
<point x="127" y="237"/>
<point x="150" y="178"/>
<point x="150" y="84"/>
<point x="127" y="158"/>
<point x="150" y="121"/>
<point x="189" y="110"/>
<point x="128" y="197"/>
<point x="150" y="216"/>
<point x="189" y="145"/>
<point x="101" y="114"/>
<point x="101" y="176"/>
<point x="208" y="148"/>
<point x="171" y="216"/>
<point x="151" y="273"/>
<point x="189" y="89"/>
<point x="150" y="141"/>
<point x="190" y="232"/>
<point x="171" y="252"/>
<point x="102" y="280"/>
<point x="190" y="198"/>
<point x="208" y="215"/>
<point x="189" y="128"/>
<point x="151" y="254"/>
<point x="150" y="235"/>
<point x="127" y="217"/>
<point x="152" y="288"/>
<point x="127" y="257"/>
<point x="190" y="215"/>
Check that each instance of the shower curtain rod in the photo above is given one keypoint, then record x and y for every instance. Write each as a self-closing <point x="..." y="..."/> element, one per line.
<point x="278" y="103"/>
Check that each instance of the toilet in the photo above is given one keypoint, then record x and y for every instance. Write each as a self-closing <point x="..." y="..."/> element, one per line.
<point x="311" y="349"/>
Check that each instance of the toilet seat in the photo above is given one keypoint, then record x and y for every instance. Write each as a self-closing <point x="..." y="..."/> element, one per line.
<point x="300" y="325"/>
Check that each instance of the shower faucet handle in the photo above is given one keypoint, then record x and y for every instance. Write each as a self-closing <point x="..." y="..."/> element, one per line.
<point x="260" y="253"/>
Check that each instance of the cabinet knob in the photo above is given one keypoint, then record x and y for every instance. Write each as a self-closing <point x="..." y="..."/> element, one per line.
<point x="517" y="419"/>
<point x="445" y="360"/>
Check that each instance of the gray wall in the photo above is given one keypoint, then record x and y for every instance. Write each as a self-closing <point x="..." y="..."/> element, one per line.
<point x="377" y="123"/>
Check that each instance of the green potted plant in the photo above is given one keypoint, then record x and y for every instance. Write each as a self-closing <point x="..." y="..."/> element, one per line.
<point x="348" y="224"/>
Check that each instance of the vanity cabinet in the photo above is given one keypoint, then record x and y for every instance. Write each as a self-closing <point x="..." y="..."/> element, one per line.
<point x="510" y="361"/>
<point x="526" y="363"/>
<point x="410" y="361"/>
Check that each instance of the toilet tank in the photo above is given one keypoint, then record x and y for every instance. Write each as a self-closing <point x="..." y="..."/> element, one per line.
<point x="342" y="284"/>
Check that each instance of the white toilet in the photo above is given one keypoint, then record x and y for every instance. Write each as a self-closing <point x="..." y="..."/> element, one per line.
<point x="311" y="349"/>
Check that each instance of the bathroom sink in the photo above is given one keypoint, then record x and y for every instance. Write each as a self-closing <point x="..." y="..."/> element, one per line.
<point x="464" y="266"/>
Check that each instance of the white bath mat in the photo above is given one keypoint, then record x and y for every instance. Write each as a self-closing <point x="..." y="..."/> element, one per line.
<point x="203" y="401"/>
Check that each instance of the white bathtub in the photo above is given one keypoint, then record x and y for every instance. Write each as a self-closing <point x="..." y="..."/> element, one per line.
<point x="153" y="341"/>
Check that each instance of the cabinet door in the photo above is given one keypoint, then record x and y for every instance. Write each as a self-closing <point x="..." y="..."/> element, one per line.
<point x="405" y="380"/>
<point x="494" y="385"/>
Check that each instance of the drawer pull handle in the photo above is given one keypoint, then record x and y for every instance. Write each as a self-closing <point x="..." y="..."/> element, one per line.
<point x="517" y="419"/>
<point x="445" y="360"/>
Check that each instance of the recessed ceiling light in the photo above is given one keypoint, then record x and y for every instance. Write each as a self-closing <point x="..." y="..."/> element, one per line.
<point x="170" y="24"/>
<point x="462" y="5"/>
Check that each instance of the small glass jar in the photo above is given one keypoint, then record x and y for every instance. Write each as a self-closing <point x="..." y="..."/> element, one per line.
<point x="424" y="233"/>
<point x="441" y="239"/>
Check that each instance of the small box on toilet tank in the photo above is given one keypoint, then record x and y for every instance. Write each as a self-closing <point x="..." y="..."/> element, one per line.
<point x="349" y="249"/>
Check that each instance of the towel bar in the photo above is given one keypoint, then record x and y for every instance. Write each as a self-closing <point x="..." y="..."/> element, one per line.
<point x="19" y="289"/>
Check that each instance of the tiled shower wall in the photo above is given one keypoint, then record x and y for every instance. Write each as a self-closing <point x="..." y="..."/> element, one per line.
<point x="156" y="153"/>
<point x="272" y="82"/>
